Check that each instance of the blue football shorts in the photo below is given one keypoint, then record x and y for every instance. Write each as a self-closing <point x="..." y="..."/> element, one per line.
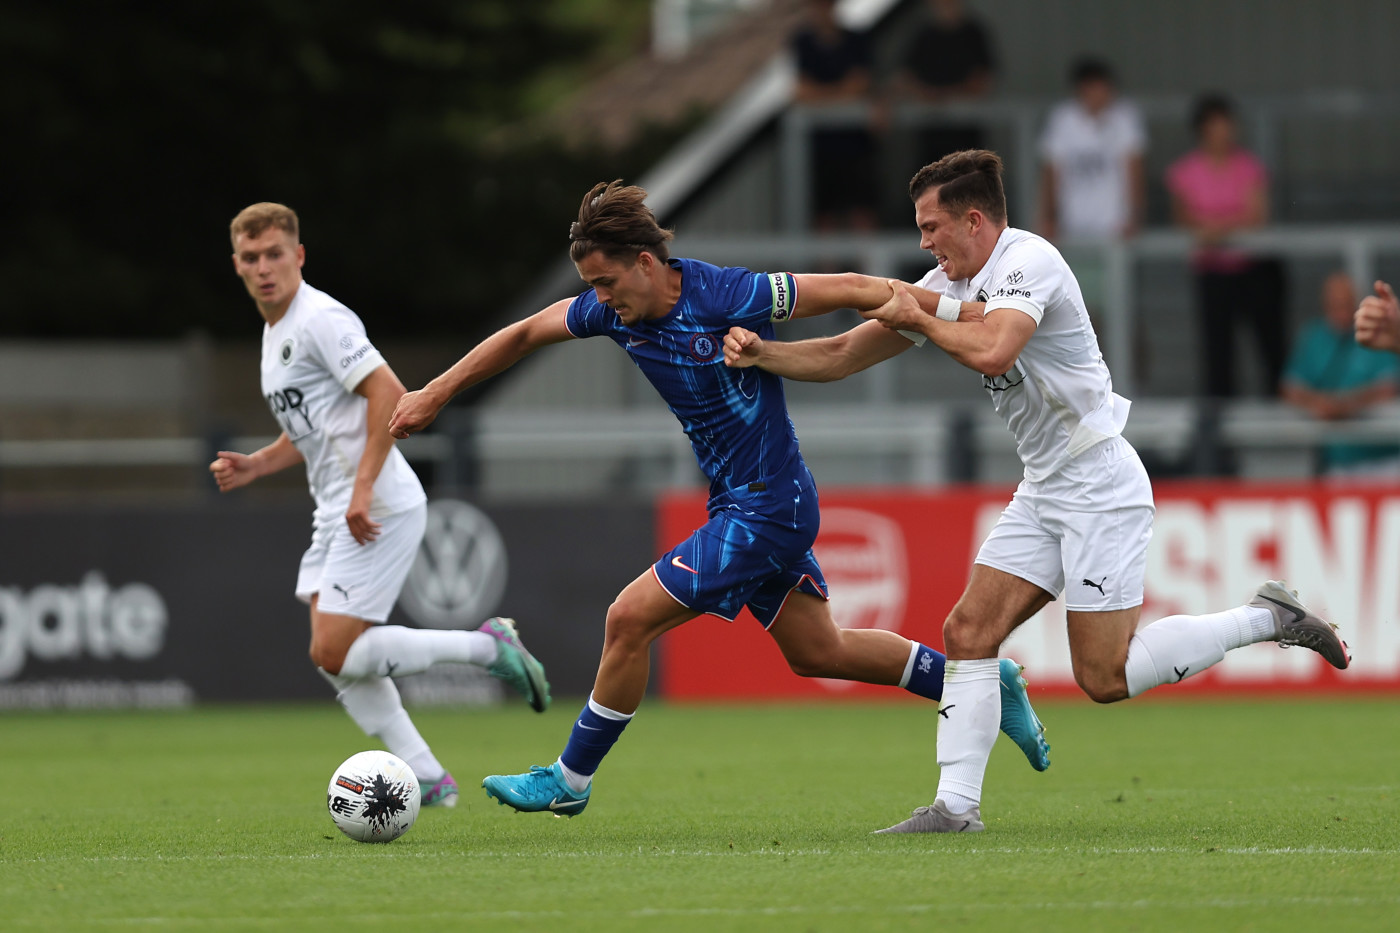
<point x="755" y="549"/>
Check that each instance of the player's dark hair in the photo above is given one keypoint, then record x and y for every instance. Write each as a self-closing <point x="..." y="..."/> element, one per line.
<point x="1089" y="68"/>
<point x="1208" y="107"/>
<point x="615" y="221"/>
<point x="255" y="218"/>
<point x="965" y="180"/>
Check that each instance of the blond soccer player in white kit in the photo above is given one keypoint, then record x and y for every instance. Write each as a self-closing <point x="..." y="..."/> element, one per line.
<point x="1081" y="518"/>
<point x="332" y="394"/>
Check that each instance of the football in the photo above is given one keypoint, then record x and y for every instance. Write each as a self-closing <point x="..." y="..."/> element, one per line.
<point x="373" y="797"/>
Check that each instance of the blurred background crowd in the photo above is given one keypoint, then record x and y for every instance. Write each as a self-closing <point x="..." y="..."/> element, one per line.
<point x="1224" y="178"/>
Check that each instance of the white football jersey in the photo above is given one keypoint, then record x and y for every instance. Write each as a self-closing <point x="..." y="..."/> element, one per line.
<point x="1058" y="397"/>
<point x="312" y="360"/>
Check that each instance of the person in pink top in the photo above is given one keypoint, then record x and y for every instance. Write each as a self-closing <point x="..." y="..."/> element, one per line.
<point x="1218" y="189"/>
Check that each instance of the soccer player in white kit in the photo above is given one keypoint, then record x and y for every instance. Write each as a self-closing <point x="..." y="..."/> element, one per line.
<point x="1081" y="518"/>
<point x="332" y="393"/>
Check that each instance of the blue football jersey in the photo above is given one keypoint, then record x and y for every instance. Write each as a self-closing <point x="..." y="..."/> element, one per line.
<point x="736" y="419"/>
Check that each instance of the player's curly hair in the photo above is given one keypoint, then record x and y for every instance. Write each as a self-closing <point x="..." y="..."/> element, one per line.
<point x="255" y="218"/>
<point x="965" y="180"/>
<point x="614" y="220"/>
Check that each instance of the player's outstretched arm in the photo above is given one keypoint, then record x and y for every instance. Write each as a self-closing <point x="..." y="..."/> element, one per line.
<point x="497" y="353"/>
<point x="822" y="294"/>
<point x="988" y="344"/>
<point x="1378" y="320"/>
<point x="825" y="359"/>
<point x="232" y="469"/>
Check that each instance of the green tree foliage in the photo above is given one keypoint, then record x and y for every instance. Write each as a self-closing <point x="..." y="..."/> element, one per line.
<point x="136" y="131"/>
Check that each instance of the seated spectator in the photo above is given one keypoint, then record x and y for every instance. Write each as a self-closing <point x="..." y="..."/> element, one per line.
<point x="1092" y="186"/>
<point x="1219" y="189"/>
<point x="834" y="66"/>
<point x="948" y="58"/>
<point x="1332" y="378"/>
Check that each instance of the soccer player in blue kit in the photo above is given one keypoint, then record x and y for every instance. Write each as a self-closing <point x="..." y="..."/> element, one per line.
<point x="671" y="316"/>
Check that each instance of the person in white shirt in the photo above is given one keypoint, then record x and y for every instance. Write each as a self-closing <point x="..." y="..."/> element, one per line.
<point x="1092" y="186"/>
<point x="1092" y="182"/>
<point x="332" y="393"/>
<point x="1081" y="518"/>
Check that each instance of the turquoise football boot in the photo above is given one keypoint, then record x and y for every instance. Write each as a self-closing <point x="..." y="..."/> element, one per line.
<point x="538" y="791"/>
<point x="1018" y="720"/>
<point x="515" y="665"/>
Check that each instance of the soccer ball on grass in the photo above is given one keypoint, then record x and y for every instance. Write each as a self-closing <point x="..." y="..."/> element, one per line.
<point x="374" y="797"/>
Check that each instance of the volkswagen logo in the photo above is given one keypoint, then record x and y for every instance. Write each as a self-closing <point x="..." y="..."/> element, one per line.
<point x="459" y="575"/>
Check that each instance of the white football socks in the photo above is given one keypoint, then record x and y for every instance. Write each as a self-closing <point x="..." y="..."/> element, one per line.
<point x="374" y="704"/>
<point x="578" y="783"/>
<point x="969" y="719"/>
<point x="1176" y="647"/>
<point x="393" y="650"/>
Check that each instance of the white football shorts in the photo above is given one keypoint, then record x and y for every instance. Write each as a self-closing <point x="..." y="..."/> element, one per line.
<point x="1087" y="526"/>
<point x="357" y="580"/>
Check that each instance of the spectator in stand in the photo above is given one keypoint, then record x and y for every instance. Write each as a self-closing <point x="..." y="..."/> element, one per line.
<point x="1333" y="378"/>
<point x="1092" y="184"/>
<point x="949" y="58"/>
<point x="1219" y="189"/>
<point x="1092" y="149"/>
<point x="834" y="66"/>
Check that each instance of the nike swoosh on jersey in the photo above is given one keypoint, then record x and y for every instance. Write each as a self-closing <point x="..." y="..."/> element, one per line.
<point x="677" y="562"/>
<point x="637" y="341"/>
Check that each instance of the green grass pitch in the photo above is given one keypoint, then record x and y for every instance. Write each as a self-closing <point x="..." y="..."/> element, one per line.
<point x="1190" y="815"/>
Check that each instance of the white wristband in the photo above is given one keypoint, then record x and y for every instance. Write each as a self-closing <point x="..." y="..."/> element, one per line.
<point x="948" y="308"/>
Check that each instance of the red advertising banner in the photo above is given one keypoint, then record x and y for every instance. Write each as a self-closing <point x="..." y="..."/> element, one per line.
<point x="898" y="560"/>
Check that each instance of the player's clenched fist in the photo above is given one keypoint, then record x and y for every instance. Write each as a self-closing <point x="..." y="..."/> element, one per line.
<point x="232" y="470"/>
<point x="742" y="348"/>
<point x="1378" y="320"/>
<point x="414" y="412"/>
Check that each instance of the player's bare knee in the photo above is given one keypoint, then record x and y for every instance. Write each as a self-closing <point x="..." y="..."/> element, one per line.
<point x="626" y="629"/>
<point x="964" y="637"/>
<point x="1102" y="686"/>
<point x="326" y="658"/>
<point x="811" y="664"/>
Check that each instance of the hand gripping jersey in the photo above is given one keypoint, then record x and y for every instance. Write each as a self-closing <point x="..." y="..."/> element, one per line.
<point x="1058" y="397"/>
<point x="312" y="360"/>
<point x="736" y="419"/>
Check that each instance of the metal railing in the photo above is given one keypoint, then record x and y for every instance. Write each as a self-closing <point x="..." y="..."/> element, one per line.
<point x="900" y="444"/>
<point x="1021" y="119"/>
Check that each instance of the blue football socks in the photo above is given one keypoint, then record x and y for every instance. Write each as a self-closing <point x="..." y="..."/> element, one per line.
<point x="593" y="736"/>
<point x="923" y="676"/>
